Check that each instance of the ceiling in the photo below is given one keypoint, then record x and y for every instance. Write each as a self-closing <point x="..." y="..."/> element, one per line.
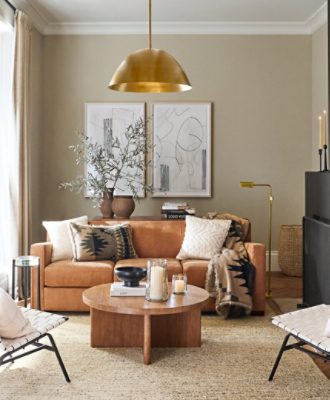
<point x="176" y="16"/>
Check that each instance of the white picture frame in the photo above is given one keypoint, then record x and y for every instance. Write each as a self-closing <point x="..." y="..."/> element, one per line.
<point x="182" y="149"/>
<point x="102" y="119"/>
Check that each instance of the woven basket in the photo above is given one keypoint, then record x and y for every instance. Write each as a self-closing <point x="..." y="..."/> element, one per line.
<point x="290" y="251"/>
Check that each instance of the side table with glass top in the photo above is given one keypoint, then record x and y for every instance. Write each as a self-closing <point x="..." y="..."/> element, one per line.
<point x="26" y="263"/>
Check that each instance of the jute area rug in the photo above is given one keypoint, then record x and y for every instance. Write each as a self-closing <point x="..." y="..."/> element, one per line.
<point x="233" y="363"/>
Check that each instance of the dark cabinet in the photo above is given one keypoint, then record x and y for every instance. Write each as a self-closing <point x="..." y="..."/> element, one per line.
<point x="316" y="239"/>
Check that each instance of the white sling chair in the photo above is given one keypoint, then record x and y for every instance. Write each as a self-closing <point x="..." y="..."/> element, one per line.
<point x="307" y="327"/>
<point x="43" y="322"/>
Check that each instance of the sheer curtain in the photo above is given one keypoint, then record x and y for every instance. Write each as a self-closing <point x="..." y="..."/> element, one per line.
<point x="8" y="157"/>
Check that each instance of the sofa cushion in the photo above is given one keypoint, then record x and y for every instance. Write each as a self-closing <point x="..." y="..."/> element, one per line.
<point x="195" y="271"/>
<point x="78" y="274"/>
<point x="173" y="266"/>
<point x="203" y="238"/>
<point x="59" y="235"/>
<point x="92" y="243"/>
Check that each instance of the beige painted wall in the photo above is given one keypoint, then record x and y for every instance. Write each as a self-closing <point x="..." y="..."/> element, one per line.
<point x="320" y="85"/>
<point x="35" y="134"/>
<point x="260" y="87"/>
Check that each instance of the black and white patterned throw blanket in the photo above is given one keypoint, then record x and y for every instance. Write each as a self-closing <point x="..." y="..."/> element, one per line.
<point x="230" y="274"/>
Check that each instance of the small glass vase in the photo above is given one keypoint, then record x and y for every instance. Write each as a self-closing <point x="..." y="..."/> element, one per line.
<point x="157" y="285"/>
<point x="179" y="284"/>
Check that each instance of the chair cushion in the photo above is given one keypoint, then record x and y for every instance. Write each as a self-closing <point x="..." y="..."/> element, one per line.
<point x="58" y="232"/>
<point x="173" y="266"/>
<point x="195" y="271"/>
<point x="203" y="238"/>
<point x="92" y="243"/>
<point x="78" y="273"/>
<point x="13" y="324"/>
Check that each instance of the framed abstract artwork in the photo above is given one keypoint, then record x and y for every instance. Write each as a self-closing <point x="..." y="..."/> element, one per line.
<point x="182" y="150"/>
<point x="106" y="121"/>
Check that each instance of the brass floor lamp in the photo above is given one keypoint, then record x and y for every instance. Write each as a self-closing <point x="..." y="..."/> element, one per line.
<point x="251" y="185"/>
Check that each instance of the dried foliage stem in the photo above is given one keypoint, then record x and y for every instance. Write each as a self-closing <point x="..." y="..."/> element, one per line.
<point x="120" y="165"/>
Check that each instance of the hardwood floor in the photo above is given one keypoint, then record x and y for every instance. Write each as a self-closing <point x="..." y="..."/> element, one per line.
<point x="286" y="286"/>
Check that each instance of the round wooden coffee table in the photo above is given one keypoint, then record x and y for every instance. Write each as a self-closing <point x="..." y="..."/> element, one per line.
<point x="136" y="322"/>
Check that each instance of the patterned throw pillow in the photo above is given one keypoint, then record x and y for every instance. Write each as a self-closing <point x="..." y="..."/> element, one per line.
<point x="92" y="243"/>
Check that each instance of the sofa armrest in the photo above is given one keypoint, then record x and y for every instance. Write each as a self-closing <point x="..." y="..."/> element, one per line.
<point x="44" y="252"/>
<point x="257" y="256"/>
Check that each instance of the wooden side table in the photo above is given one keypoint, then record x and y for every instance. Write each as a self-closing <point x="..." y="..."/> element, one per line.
<point x="26" y="263"/>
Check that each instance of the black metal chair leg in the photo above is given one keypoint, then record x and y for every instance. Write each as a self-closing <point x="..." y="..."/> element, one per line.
<point x="59" y="359"/>
<point x="2" y="359"/>
<point x="279" y="356"/>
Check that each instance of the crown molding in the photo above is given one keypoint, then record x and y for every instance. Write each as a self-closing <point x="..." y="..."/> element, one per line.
<point x="178" y="28"/>
<point x="45" y="27"/>
<point x="39" y="21"/>
<point x="318" y="19"/>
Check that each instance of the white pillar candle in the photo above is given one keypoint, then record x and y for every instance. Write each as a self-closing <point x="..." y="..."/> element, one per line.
<point x="156" y="283"/>
<point x="179" y="286"/>
<point x="325" y="127"/>
<point x="320" y="132"/>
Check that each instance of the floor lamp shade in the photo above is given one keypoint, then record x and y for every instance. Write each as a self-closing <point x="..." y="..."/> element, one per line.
<point x="246" y="184"/>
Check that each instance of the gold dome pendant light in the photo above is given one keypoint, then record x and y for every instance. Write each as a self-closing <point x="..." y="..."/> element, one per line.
<point x="150" y="70"/>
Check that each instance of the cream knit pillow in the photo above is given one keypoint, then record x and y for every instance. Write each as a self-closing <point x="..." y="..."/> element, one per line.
<point x="13" y="324"/>
<point x="203" y="238"/>
<point x="59" y="235"/>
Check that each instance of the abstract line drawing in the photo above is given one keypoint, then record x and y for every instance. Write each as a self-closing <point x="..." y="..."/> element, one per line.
<point x="182" y="149"/>
<point x="104" y="121"/>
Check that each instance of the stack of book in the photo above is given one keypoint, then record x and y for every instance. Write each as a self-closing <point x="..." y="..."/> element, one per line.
<point x="177" y="210"/>
<point x="118" y="289"/>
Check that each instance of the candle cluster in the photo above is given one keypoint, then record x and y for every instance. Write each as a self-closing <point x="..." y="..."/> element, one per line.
<point x="323" y="129"/>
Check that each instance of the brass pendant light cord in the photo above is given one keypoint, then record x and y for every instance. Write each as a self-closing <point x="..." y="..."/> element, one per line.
<point x="150" y="42"/>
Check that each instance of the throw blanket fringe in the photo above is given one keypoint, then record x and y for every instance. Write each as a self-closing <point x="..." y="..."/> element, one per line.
<point x="230" y="277"/>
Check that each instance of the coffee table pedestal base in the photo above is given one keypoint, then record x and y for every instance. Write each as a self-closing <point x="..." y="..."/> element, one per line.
<point x="125" y="330"/>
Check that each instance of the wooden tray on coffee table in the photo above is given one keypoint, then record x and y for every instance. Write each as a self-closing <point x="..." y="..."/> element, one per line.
<point x="136" y="322"/>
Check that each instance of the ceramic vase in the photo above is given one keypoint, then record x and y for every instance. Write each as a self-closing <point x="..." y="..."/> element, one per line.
<point x="105" y="204"/>
<point x="123" y="206"/>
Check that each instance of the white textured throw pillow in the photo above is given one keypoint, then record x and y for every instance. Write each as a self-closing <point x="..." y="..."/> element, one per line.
<point x="203" y="238"/>
<point x="13" y="324"/>
<point x="59" y="235"/>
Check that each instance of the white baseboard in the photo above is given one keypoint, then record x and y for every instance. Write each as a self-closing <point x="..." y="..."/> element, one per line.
<point x="275" y="266"/>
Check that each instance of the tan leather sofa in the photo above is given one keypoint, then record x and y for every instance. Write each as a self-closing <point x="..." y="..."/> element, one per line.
<point x="63" y="282"/>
